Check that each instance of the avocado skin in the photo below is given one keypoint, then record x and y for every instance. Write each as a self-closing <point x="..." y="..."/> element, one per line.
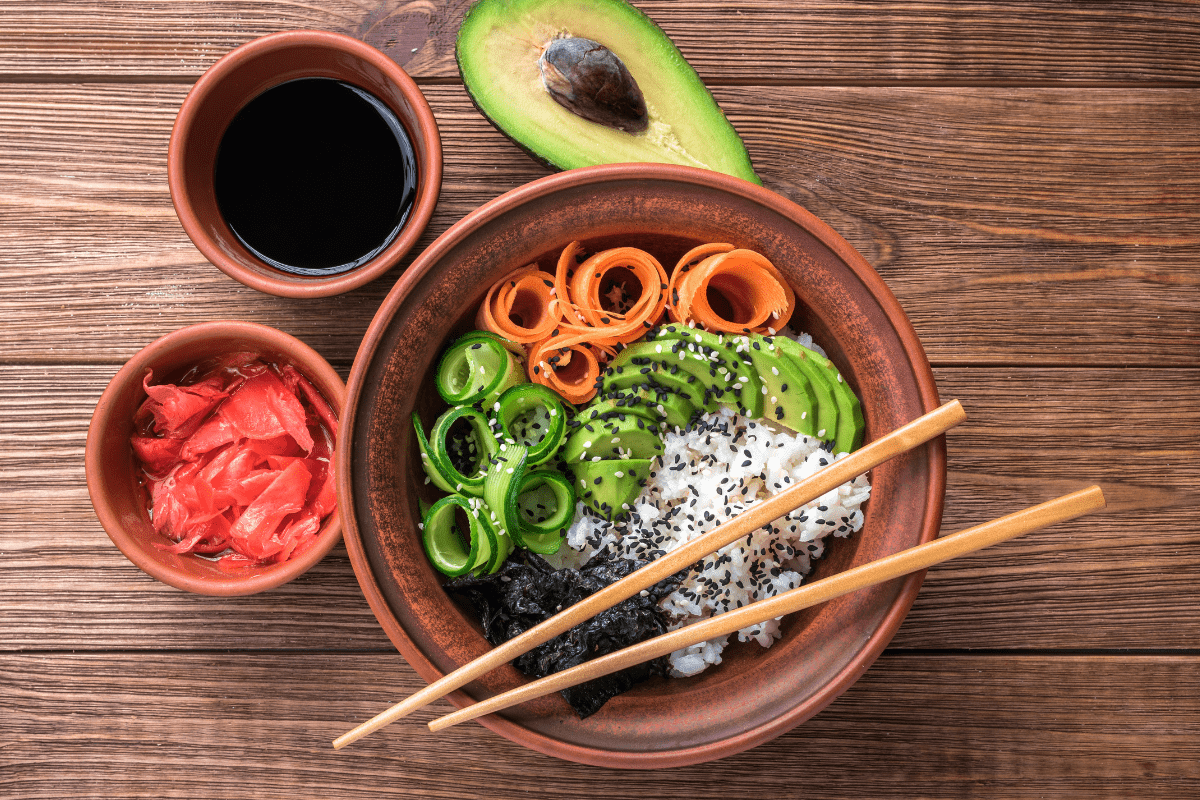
<point x="677" y="97"/>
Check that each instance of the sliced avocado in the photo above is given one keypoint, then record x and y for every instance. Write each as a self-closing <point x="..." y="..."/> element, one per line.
<point x="606" y="408"/>
<point x="643" y="364"/>
<point x="661" y="406"/>
<point x="715" y="362"/>
<point x="825" y="408"/>
<point x="608" y="486"/>
<point x="851" y="423"/>
<point x="846" y="429"/>
<point x="540" y="90"/>
<point x="789" y="399"/>
<point x="660" y="384"/>
<point x="613" y="439"/>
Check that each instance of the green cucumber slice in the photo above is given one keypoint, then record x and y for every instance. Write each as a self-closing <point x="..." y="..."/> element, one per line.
<point x="501" y="490"/>
<point x="450" y="552"/>
<point x="502" y="485"/>
<point x="477" y="367"/>
<point x="533" y="415"/>
<point x="470" y="443"/>
<point x="546" y="502"/>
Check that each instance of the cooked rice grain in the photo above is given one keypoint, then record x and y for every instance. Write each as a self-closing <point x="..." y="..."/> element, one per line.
<point x="706" y="475"/>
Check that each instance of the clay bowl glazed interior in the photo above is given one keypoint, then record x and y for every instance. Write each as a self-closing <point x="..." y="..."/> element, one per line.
<point x="756" y="693"/>
<point x="243" y="74"/>
<point x="112" y="475"/>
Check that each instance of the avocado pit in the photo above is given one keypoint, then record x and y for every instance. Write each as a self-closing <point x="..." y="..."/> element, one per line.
<point x="592" y="82"/>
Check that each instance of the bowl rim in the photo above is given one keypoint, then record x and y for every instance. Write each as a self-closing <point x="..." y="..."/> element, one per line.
<point x="104" y="416"/>
<point x="906" y="334"/>
<point x="429" y="167"/>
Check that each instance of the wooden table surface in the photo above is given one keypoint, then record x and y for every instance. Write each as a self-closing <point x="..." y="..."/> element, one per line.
<point x="1024" y="175"/>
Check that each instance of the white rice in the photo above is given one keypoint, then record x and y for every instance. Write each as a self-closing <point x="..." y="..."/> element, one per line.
<point x="706" y="475"/>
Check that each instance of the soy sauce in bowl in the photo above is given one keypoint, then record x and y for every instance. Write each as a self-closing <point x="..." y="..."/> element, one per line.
<point x="315" y="176"/>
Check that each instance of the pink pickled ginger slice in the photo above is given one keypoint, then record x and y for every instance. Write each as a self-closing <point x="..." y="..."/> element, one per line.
<point x="263" y="408"/>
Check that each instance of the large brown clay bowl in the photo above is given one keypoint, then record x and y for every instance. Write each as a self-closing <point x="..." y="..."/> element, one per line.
<point x="756" y="693"/>
<point x="112" y="473"/>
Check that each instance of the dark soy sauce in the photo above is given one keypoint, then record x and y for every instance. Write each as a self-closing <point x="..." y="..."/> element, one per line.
<point x="315" y="176"/>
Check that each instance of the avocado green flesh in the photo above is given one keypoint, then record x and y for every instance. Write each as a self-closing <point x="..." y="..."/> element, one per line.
<point x="797" y="388"/>
<point x="675" y="410"/>
<point x="850" y="417"/>
<point x="612" y="440"/>
<point x="657" y="377"/>
<point x="497" y="51"/>
<point x="607" y="486"/>
<point x="789" y="398"/>
<point x="839" y="413"/>
<point x="741" y="382"/>
<point x="605" y="408"/>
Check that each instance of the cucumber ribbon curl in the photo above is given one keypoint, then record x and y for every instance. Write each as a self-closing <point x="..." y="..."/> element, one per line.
<point x="478" y="367"/>
<point x="506" y="499"/>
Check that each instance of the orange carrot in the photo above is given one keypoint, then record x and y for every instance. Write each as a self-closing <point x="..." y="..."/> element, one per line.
<point x="568" y="364"/>
<point x="572" y="323"/>
<point x="750" y="294"/>
<point x="613" y="296"/>
<point x="691" y="259"/>
<point x="518" y="306"/>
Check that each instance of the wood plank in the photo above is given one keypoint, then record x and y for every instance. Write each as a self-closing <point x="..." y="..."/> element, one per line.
<point x="995" y="209"/>
<point x="236" y="725"/>
<point x="1024" y="41"/>
<point x="1121" y="579"/>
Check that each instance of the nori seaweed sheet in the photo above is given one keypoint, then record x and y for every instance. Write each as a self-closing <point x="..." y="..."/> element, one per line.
<point x="527" y="590"/>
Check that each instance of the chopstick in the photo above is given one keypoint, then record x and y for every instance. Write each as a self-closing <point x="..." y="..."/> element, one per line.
<point x="903" y="439"/>
<point x="896" y="565"/>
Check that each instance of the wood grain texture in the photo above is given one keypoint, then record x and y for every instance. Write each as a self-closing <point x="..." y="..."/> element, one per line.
<point x="1035" y="219"/>
<point x="1124" y="578"/>
<point x="258" y="725"/>
<point x="1023" y="175"/>
<point x="1035" y="41"/>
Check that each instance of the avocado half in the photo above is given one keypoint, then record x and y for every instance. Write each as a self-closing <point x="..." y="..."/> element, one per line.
<point x="498" y="50"/>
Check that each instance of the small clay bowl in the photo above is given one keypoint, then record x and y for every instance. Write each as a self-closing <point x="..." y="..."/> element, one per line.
<point x="246" y="72"/>
<point x="755" y="693"/>
<point x="112" y="474"/>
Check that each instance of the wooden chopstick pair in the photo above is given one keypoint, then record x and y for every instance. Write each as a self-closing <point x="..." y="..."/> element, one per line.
<point x="901" y="440"/>
<point x="895" y="565"/>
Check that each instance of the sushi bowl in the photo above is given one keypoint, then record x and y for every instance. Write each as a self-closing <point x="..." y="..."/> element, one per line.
<point x="755" y="693"/>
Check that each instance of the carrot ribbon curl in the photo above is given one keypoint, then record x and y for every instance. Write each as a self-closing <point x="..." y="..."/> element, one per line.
<point x="518" y="306"/>
<point x="571" y="323"/>
<point x="751" y="295"/>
